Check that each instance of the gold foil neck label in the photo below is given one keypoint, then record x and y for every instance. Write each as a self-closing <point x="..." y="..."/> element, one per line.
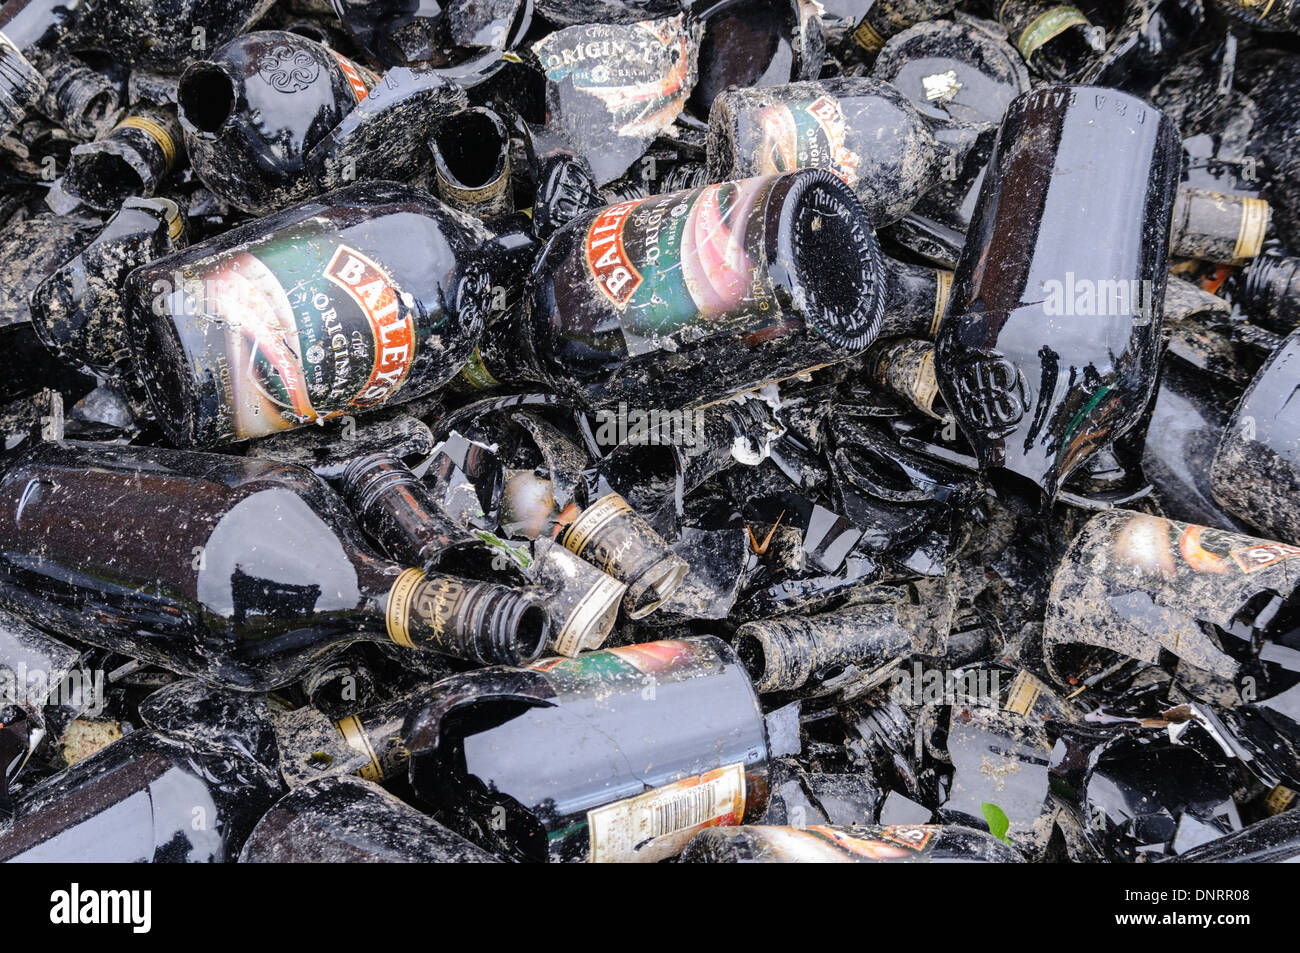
<point x="581" y="630"/>
<point x="1024" y="692"/>
<point x="1279" y="799"/>
<point x="1047" y="26"/>
<point x="398" y="614"/>
<point x="942" y="289"/>
<point x="1250" y="234"/>
<point x="867" y="37"/>
<point x="155" y="131"/>
<point x="354" y="734"/>
<point x="589" y="524"/>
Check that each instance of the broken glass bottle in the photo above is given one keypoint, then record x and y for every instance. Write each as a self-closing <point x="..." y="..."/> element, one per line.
<point x="1057" y="41"/>
<point x="351" y="820"/>
<point x="616" y="755"/>
<point x="863" y="130"/>
<point x="1037" y="394"/>
<point x="78" y="311"/>
<point x="131" y="160"/>
<point x="785" y="653"/>
<point x="888" y="18"/>
<point x="1133" y="586"/>
<point x="247" y="573"/>
<point x="334" y="306"/>
<point x="253" y="111"/>
<point x="143" y="799"/>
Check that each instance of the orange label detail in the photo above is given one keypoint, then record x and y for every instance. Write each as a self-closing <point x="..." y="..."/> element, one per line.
<point x="1250" y="558"/>
<point x="614" y="272"/>
<point x="360" y="88"/>
<point x="391" y="324"/>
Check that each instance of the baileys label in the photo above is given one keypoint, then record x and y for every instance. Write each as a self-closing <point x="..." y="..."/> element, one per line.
<point x="297" y="328"/>
<point x="688" y="264"/>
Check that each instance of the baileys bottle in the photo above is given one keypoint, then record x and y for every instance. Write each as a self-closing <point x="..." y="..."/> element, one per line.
<point x="370" y="294"/>
<point x="693" y="296"/>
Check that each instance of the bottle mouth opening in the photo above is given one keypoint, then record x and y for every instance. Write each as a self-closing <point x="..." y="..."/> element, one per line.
<point x="470" y="149"/>
<point x="655" y="587"/>
<point x="206" y="98"/>
<point x="835" y="261"/>
<point x="103" y="179"/>
<point x="99" y="107"/>
<point x="533" y="632"/>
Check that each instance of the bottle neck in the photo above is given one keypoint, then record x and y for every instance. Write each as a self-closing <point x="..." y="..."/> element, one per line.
<point x="376" y="734"/>
<point x="915" y="299"/>
<point x="505" y="356"/>
<point x="478" y="621"/>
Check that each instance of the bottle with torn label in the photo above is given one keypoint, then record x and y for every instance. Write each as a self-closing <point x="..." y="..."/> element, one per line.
<point x="862" y="130"/>
<point x="683" y="299"/>
<point x="372" y="293"/>
<point x="617" y="755"/>
<point x="232" y="570"/>
<point x="615" y="538"/>
<point x="1221" y="605"/>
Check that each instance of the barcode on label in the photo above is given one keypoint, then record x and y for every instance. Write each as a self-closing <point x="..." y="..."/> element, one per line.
<point x="693" y="807"/>
<point x="659" y="822"/>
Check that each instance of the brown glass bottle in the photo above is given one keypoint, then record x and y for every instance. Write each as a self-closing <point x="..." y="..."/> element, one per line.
<point x="232" y="570"/>
<point x="616" y="755"/>
<point x="370" y="294"/>
<point x="686" y="298"/>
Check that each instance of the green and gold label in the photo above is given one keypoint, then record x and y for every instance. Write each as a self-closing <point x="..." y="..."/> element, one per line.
<point x="296" y="328"/>
<point x="688" y="263"/>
